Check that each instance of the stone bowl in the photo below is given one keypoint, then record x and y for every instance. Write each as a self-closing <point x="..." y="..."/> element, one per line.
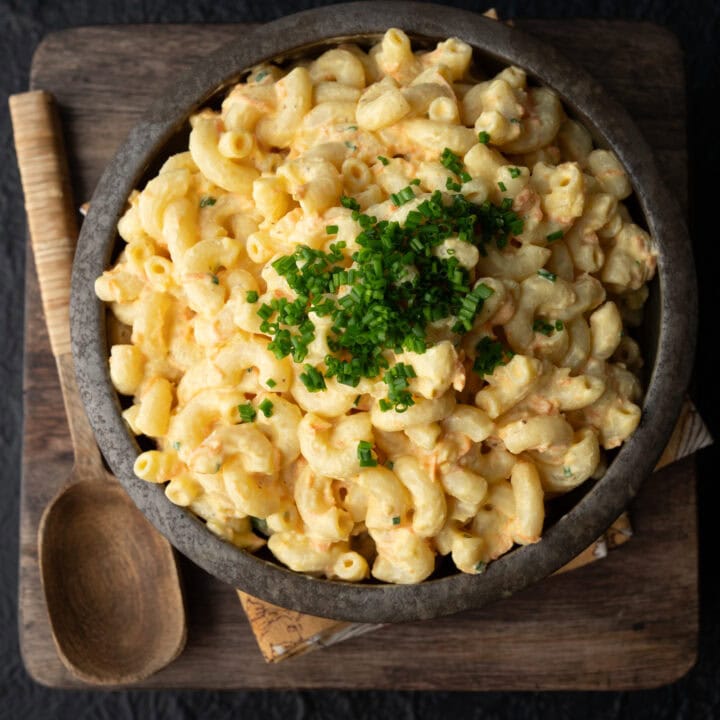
<point x="669" y="327"/>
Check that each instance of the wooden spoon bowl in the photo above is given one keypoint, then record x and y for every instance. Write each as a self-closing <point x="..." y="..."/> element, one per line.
<point x="118" y="613"/>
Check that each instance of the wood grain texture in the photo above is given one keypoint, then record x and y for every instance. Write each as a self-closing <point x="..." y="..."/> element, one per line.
<point x="49" y="205"/>
<point x="628" y="621"/>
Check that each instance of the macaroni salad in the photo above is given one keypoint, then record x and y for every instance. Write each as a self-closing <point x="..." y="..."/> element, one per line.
<point x="377" y="312"/>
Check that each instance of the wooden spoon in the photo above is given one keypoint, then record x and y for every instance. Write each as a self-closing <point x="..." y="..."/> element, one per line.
<point x="110" y="579"/>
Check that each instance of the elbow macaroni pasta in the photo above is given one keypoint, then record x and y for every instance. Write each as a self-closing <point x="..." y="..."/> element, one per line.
<point x="242" y="439"/>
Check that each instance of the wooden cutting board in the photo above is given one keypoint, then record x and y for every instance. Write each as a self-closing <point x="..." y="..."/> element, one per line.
<point x="628" y="621"/>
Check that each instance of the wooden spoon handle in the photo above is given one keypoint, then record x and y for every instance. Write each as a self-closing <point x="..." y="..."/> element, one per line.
<point x="49" y="206"/>
<point x="53" y="234"/>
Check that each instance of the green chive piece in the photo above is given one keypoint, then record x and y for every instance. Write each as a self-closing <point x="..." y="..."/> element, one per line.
<point x="551" y="276"/>
<point x="207" y="200"/>
<point x="543" y="327"/>
<point x="396" y="520"/>
<point x="247" y="412"/>
<point x="331" y="229"/>
<point x="514" y="172"/>
<point x="483" y="137"/>
<point x="349" y="203"/>
<point x="450" y="184"/>
<point x="271" y="383"/>
<point x="451" y="161"/>
<point x="364" y="454"/>
<point x="567" y="471"/>
<point x="502" y="186"/>
<point x="251" y="296"/>
<point x="403" y="196"/>
<point x="176" y="445"/>
<point x="490" y="354"/>
<point x="214" y="279"/>
<point x="312" y="379"/>
<point x="383" y="159"/>
<point x="554" y="235"/>
<point x="480" y="567"/>
<point x="266" y="407"/>
<point x="265" y="311"/>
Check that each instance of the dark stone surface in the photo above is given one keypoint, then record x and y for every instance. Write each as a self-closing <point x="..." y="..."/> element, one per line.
<point x="22" y="25"/>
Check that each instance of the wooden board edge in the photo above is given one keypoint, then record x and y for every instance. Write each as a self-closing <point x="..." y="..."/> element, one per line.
<point x="37" y="674"/>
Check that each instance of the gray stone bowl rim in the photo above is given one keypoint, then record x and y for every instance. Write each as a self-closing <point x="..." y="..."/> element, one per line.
<point x="675" y="327"/>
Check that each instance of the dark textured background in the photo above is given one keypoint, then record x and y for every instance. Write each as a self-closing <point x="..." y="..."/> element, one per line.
<point x="22" y="26"/>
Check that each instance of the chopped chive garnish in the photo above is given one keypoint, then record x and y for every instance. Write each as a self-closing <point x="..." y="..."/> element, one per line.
<point x="450" y="184"/>
<point x="559" y="325"/>
<point x="351" y="127"/>
<point x="265" y="311"/>
<point x="502" y="186"/>
<point x="396" y="520"/>
<point x="514" y="172"/>
<point x="266" y="407"/>
<point x="357" y="400"/>
<point x="567" y="471"/>
<point x="389" y="464"/>
<point x="383" y="159"/>
<point x="214" y="279"/>
<point x="403" y="196"/>
<point x="207" y="200"/>
<point x="555" y="235"/>
<point x="350" y="145"/>
<point x="451" y="161"/>
<point x="490" y="354"/>
<point x="176" y="445"/>
<point x="480" y="567"/>
<point x="331" y="229"/>
<point x="262" y="74"/>
<point x="364" y="454"/>
<point x="484" y="137"/>
<point x="312" y="379"/>
<point x="399" y="397"/>
<point x="251" y="296"/>
<point x="349" y="203"/>
<point x="271" y="383"/>
<point x="551" y="276"/>
<point x="543" y="327"/>
<point x="247" y="412"/>
<point x="470" y="306"/>
<point x="394" y="289"/>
